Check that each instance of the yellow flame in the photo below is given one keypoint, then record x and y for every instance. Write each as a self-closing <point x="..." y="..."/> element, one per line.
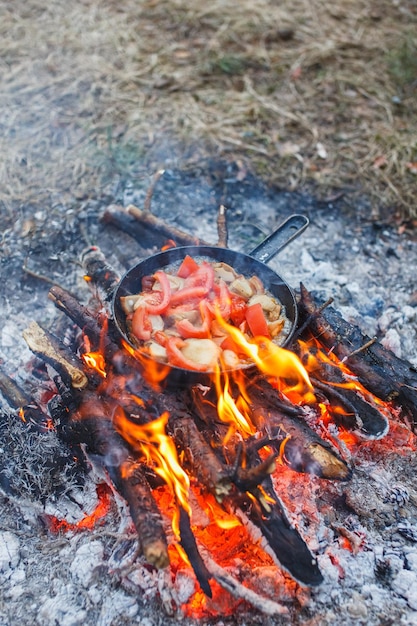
<point x="95" y="361"/>
<point x="151" y="439"/>
<point x="154" y="371"/>
<point x="275" y="362"/>
<point x="235" y="413"/>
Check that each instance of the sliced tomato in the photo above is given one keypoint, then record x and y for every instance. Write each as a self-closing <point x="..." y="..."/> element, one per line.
<point x="187" y="267"/>
<point x="157" y="301"/>
<point x="238" y="306"/>
<point x="187" y="330"/>
<point x="141" y="326"/>
<point x="202" y="277"/>
<point x="183" y="296"/>
<point x="176" y="357"/>
<point x="223" y="299"/>
<point x="256" y="320"/>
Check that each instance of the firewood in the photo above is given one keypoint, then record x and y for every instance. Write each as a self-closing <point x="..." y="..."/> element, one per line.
<point x="302" y="449"/>
<point x="14" y="395"/>
<point x="99" y="271"/>
<point x="42" y="343"/>
<point x="222" y="227"/>
<point x="134" y="487"/>
<point x="238" y="590"/>
<point x="147" y="238"/>
<point x="357" y="414"/>
<point x="170" y="232"/>
<point x="189" y="544"/>
<point x="378" y="369"/>
<point x="203" y="462"/>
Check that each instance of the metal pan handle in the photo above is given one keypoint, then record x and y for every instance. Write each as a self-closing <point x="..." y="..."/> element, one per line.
<point x="282" y="236"/>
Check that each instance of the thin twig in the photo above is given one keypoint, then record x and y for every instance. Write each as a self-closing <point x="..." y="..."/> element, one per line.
<point x="151" y="189"/>
<point x="361" y="349"/>
<point x="222" y="227"/>
<point x="309" y="319"/>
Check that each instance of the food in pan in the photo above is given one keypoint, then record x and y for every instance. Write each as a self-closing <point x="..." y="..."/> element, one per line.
<point x="177" y="316"/>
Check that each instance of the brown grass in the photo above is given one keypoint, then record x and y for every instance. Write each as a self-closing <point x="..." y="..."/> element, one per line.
<point x="308" y="92"/>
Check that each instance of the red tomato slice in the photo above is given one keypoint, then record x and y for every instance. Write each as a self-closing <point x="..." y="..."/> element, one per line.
<point x="203" y="277"/>
<point x="187" y="267"/>
<point x="238" y="306"/>
<point x="255" y="318"/>
<point x="176" y="357"/>
<point x="223" y="300"/>
<point x="141" y="326"/>
<point x="188" y="293"/>
<point x="157" y="302"/>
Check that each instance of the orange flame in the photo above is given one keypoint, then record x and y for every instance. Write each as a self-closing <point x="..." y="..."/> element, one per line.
<point x="276" y="362"/>
<point x="159" y="450"/>
<point x="154" y="372"/>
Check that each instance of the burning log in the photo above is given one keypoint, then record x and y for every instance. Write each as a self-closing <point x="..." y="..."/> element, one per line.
<point x="204" y="464"/>
<point x="189" y="545"/>
<point x="53" y="351"/>
<point x="391" y="379"/>
<point x="352" y="412"/>
<point x="132" y="484"/>
<point x="93" y="427"/>
<point x="300" y="447"/>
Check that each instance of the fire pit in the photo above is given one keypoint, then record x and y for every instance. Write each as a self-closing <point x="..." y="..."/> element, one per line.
<point x="276" y="512"/>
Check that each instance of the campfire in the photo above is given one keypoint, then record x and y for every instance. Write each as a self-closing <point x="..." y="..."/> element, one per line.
<point x="207" y="465"/>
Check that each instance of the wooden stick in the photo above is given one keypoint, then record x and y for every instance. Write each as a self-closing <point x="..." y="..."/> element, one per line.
<point x="52" y="351"/>
<point x="99" y="271"/>
<point x="151" y="189"/>
<point x="222" y="227"/>
<point x="12" y="392"/>
<point x="204" y="464"/>
<point x="134" y="487"/>
<point x="170" y="232"/>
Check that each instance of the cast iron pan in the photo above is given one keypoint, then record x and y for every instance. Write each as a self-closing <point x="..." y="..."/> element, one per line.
<point x="250" y="264"/>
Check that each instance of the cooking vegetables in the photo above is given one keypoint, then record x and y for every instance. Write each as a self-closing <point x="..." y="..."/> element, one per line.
<point x="177" y="316"/>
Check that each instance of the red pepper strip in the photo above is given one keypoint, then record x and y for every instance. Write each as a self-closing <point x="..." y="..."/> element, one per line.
<point x="141" y="326"/>
<point x="187" y="329"/>
<point x="202" y="277"/>
<point x="188" y="293"/>
<point x="223" y="300"/>
<point x="160" y="337"/>
<point x="255" y="318"/>
<point x="176" y="357"/>
<point x="187" y="267"/>
<point x="157" y="306"/>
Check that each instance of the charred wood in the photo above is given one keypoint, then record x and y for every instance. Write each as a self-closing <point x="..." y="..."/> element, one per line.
<point x="189" y="544"/>
<point x="349" y="410"/>
<point x="389" y="378"/>
<point x="300" y="447"/>
<point x="203" y="462"/>
<point x="48" y="347"/>
<point x="99" y="271"/>
<point x="131" y="482"/>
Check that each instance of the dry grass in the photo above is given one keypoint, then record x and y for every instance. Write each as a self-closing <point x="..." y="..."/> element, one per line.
<point x="306" y="91"/>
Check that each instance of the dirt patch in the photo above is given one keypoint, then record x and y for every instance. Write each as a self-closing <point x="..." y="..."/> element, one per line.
<point x="97" y="94"/>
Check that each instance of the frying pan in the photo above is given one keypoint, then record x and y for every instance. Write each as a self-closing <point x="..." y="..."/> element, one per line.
<point x="250" y="264"/>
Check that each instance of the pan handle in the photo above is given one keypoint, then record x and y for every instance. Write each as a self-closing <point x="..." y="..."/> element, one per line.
<point x="283" y="235"/>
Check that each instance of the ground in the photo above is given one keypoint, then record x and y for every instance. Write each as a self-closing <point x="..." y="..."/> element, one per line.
<point x="306" y="94"/>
